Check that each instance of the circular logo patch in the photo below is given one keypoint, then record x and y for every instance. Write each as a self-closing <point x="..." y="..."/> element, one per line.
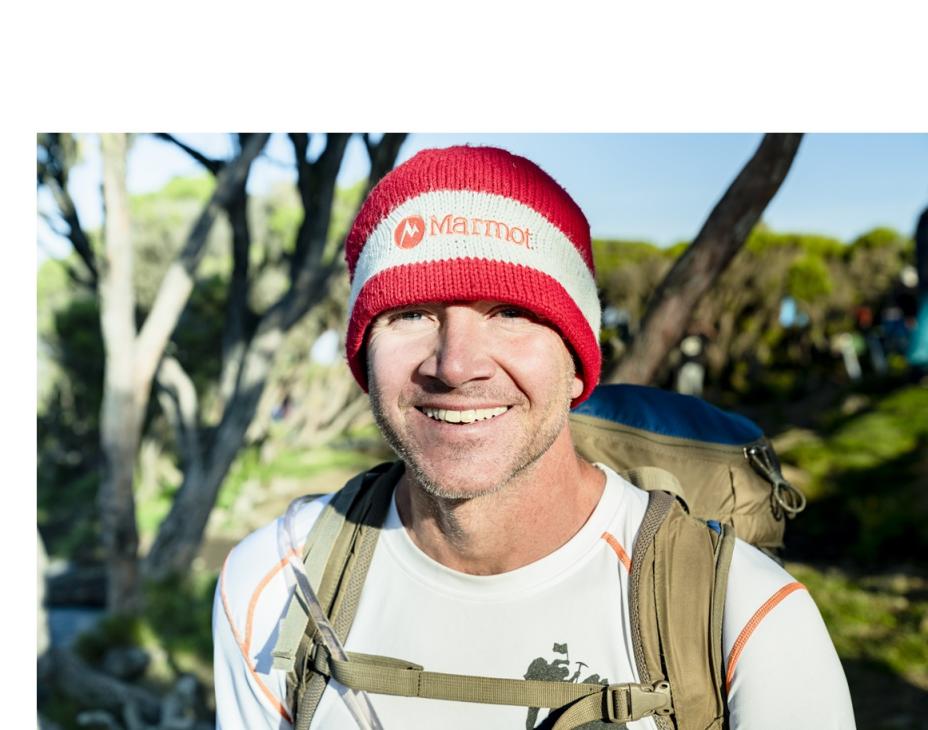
<point x="409" y="231"/>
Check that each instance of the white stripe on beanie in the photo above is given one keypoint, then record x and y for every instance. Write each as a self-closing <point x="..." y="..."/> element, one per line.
<point x="459" y="224"/>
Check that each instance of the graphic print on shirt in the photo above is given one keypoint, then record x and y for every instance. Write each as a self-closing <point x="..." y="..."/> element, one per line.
<point x="557" y="670"/>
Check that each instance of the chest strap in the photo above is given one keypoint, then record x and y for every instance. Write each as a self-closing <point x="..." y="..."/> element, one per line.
<point x="582" y="702"/>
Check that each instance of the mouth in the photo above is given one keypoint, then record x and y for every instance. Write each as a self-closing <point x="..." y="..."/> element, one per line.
<point x="445" y="415"/>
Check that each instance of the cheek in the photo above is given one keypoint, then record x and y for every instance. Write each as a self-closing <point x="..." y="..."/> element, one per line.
<point x="545" y="361"/>
<point x="391" y="360"/>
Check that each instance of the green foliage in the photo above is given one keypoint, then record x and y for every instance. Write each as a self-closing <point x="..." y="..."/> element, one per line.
<point x="610" y="255"/>
<point x="151" y="509"/>
<point x="197" y="189"/>
<point x="284" y="220"/>
<point x="178" y="617"/>
<point x="808" y="279"/>
<point x="762" y="240"/>
<point x="68" y="433"/>
<point x="864" y="479"/>
<point x="676" y="250"/>
<point x="879" y="619"/>
<point x="174" y="627"/>
<point x="880" y="238"/>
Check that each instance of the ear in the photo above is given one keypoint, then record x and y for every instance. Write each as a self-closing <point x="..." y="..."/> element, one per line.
<point x="576" y="388"/>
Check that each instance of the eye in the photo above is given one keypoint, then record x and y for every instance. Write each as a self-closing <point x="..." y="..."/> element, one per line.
<point x="509" y="311"/>
<point x="410" y="317"/>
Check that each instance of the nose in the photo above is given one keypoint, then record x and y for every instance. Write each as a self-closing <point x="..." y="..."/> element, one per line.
<point x="461" y="352"/>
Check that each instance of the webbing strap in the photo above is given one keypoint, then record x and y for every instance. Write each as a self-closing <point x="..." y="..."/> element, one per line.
<point x="655" y="479"/>
<point x="615" y="705"/>
<point x="588" y="701"/>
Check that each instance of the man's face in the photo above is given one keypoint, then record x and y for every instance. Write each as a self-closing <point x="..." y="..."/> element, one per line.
<point x="468" y="394"/>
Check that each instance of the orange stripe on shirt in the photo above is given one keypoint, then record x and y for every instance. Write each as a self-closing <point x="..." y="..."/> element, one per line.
<point x="619" y="550"/>
<point x="249" y="620"/>
<point x="754" y="622"/>
<point x="271" y="697"/>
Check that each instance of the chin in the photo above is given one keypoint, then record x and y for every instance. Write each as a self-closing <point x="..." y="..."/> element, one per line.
<point x="452" y="487"/>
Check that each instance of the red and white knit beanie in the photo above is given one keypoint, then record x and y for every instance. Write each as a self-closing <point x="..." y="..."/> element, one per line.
<point x="469" y="224"/>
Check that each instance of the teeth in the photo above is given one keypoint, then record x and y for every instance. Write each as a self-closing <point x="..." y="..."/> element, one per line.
<point x="478" y="414"/>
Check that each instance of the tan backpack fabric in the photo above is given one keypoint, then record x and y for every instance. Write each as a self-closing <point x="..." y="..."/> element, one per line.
<point x="739" y="485"/>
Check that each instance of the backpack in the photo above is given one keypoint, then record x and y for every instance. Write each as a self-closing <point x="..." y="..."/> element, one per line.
<point x="677" y="582"/>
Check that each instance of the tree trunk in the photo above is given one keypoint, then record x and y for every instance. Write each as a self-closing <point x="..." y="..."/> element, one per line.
<point x="181" y="532"/>
<point x="722" y="236"/>
<point x="120" y="418"/>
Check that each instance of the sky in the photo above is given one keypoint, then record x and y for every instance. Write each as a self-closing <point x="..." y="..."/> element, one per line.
<point x="651" y="187"/>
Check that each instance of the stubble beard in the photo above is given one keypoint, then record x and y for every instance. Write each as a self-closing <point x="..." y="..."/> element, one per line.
<point x="530" y="450"/>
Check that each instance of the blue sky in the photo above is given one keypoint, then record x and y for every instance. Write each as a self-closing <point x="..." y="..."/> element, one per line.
<point x="653" y="187"/>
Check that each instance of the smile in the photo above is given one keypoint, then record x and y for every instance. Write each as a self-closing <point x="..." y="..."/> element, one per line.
<point x="477" y="414"/>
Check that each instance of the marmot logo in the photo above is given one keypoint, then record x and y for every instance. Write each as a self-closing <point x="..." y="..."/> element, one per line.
<point x="409" y="231"/>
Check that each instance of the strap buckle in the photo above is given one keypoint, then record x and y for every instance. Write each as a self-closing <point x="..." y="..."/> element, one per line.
<point x="625" y="703"/>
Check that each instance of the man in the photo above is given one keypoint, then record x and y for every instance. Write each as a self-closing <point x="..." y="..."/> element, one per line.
<point x="473" y="324"/>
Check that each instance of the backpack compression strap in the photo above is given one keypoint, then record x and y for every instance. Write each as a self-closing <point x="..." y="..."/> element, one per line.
<point x="581" y="702"/>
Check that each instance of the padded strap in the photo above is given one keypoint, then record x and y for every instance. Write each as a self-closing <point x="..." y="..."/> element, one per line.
<point x="659" y="504"/>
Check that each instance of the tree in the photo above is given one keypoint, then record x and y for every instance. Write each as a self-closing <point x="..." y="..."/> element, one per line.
<point x="721" y="237"/>
<point x="132" y="358"/>
<point x="249" y="344"/>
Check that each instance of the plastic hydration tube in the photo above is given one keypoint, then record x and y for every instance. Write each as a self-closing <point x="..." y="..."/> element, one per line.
<point x="357" y="701"/>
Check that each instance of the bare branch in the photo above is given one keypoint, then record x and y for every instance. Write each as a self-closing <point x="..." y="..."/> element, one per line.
<point x="316" y="183"/>
<point x="53" y="224"/>
<point x="722" y="236"/>
<point x="235" y="330"/>
<point x="53" y="173"/>
<point x="178" y="398"/>
<point x="382" y="156"/>
<point x="178" y="281"/>
<point x="214" y="166"/>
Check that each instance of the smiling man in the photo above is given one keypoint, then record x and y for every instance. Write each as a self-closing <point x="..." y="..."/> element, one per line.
<point x="473" y="324"/>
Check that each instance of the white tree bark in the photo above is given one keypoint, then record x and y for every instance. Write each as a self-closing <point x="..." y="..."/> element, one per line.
<point x="123" y="400"/>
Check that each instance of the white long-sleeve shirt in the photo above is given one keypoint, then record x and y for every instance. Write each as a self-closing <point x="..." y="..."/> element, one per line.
<point x="562" y="617"/>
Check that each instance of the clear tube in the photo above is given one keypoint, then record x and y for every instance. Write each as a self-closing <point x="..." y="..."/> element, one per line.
<point x="357" y="701"/>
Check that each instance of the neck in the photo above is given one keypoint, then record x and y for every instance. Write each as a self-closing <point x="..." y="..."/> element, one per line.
<point x="531" y="516"/>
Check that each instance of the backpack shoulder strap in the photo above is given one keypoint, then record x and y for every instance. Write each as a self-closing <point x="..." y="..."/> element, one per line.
<point x="337" y="554"/>
<point x="677" y="591"/>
